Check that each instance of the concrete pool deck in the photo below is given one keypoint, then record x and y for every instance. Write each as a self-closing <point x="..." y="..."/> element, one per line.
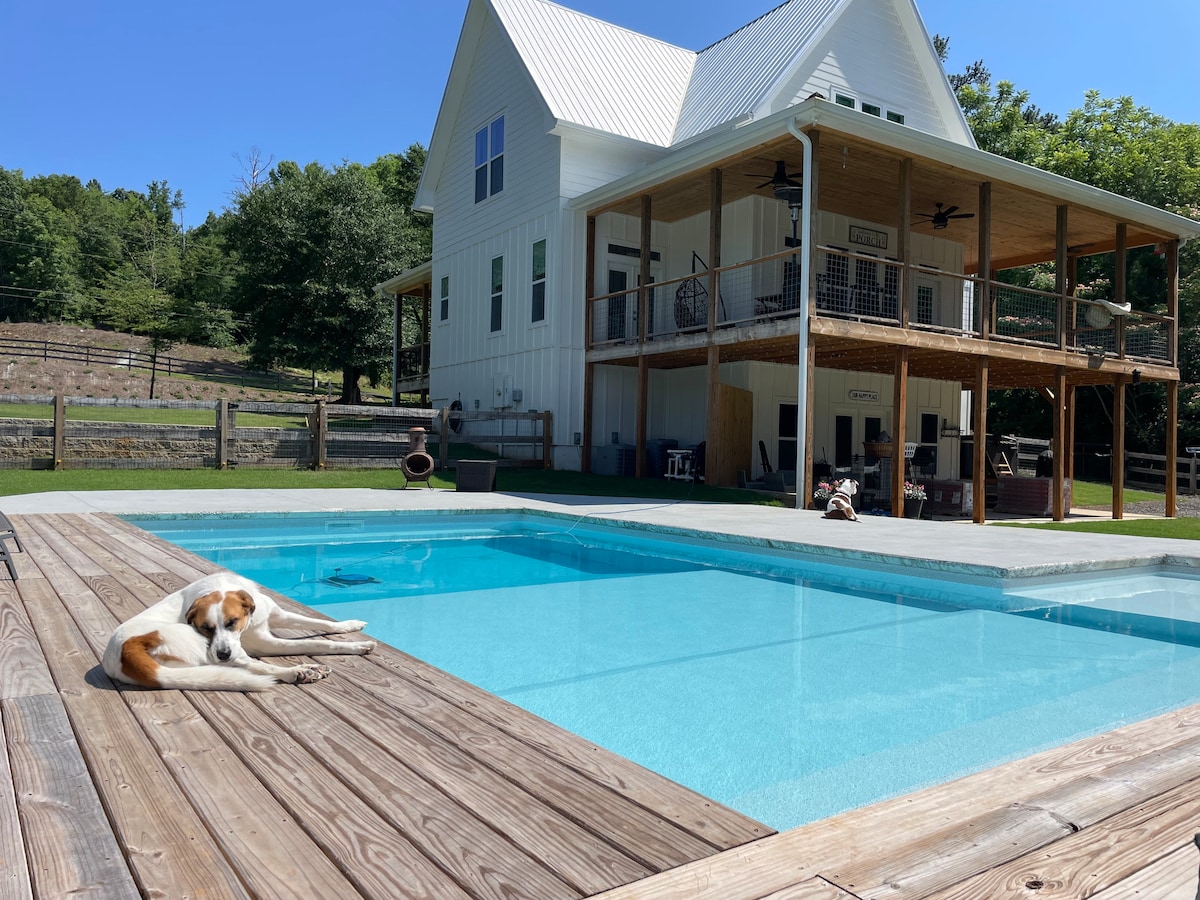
<point x="941" y="545"/>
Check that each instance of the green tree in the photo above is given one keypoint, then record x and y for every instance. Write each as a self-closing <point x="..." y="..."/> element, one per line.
<point x="313" y="242"/>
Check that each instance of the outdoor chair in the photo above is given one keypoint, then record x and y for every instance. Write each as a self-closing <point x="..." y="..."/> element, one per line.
<point x="7" y="532"/>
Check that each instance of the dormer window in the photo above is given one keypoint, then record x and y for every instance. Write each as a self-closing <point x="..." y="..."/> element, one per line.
<point x="489" y="160"/>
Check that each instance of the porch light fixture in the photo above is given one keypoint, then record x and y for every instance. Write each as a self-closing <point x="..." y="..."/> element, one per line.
<point x="1136" y="378"/>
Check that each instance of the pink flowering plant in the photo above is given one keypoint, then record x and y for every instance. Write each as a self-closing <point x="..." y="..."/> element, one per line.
<point x="823" y="491"/>
<point x="914" y="491"/>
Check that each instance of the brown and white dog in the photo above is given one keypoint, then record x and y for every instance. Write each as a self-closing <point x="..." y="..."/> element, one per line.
<point x="205" y="637"/>
<point x="839" y="505"/>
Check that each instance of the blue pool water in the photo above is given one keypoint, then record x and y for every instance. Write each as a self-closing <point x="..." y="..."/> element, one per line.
<point x="789" y="689"/>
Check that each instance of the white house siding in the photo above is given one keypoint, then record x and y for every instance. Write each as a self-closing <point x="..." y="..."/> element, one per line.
<point x="868" y="56"/>
<point x="468" y="361"/>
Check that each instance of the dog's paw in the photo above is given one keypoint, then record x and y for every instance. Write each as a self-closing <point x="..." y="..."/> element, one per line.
<point x="311" y="672"/>
<point x="350" y="625"/>
<point x="362" y="648"/>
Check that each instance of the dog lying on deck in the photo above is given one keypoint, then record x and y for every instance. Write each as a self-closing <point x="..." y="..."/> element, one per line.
<point x="205" y="637"/>
<point x="839" y="505"/>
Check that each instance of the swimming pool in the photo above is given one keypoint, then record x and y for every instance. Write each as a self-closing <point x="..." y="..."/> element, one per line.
<point x="785" y="687"/>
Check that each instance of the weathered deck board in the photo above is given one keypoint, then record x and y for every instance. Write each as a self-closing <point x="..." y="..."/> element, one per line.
<point x="14" y="865"/>
<point x="392" y="779"/>
<point x="72" y="851"/>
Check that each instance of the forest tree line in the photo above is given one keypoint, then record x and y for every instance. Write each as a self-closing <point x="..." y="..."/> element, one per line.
<point x="289" y="270"/>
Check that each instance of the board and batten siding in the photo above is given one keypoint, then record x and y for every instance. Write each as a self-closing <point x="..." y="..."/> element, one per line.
<point x="868" y="56"/>
<point x="495" y="87"/>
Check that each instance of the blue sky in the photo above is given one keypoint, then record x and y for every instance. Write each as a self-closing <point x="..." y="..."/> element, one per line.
<point x="133" y="91"/>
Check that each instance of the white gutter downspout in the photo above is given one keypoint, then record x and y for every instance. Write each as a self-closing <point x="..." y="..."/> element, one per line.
<point x="806" y="199"/>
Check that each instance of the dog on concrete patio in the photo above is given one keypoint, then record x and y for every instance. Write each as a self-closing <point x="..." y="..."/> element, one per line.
<point x="839" y="505"/>
<point x="206" y="637"/>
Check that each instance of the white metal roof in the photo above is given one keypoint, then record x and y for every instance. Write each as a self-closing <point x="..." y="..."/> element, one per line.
<point x="732" y="77"/>
<point x="596" y="74"/>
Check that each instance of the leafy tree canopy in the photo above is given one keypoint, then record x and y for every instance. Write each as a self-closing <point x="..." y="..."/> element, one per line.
<point x="313" y="243"/>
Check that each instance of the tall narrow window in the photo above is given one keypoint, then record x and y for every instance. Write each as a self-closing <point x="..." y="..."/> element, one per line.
<point x="538" y="312"/>
<point x="489" y="160"/>
<point x="497" y="293"/>
<point x="444" y="297"/>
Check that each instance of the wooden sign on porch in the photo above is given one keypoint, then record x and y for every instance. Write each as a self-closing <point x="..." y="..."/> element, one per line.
<point x="868" y="237"/>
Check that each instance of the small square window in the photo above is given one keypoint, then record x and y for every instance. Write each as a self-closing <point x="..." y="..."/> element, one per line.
<point x="896" y="117"/>
<point x="871" y="109"/>
<point x="846" y="101"/>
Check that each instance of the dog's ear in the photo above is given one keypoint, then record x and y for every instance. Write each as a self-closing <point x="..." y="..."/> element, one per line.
<point x="247" y="602"/>
<point x="200" y="607"/>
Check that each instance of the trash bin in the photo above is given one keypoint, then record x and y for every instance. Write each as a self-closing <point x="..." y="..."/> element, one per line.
<point x="475" y="475"/>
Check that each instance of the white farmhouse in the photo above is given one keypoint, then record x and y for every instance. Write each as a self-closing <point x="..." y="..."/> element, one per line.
<point x="780" y="246"/>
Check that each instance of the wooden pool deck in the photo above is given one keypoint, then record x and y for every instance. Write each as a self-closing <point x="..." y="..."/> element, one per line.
<point x="393" y="779"/>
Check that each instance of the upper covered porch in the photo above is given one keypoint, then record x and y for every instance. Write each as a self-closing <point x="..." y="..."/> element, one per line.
<point x="702" y="258"/>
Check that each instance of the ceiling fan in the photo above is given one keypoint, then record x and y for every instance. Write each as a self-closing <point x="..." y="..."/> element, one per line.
<point x="782" y="182"/>
<point x="940" y="218"/>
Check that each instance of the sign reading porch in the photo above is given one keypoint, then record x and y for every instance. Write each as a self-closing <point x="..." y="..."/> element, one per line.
<point x="865" y="396"/>
<point x="868" y="237"/>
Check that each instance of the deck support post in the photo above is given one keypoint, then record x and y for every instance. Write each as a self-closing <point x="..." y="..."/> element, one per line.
<point x="979" y="462"/>
<point x="904" y="239"/>
<point x="1118" y="445"/>
<point x="899" y="429"/>
<point x="1120" y="282"/>
<point x="1057" y="441"/>
<point x="714" y="246"/>
<point x="643" y="385"/>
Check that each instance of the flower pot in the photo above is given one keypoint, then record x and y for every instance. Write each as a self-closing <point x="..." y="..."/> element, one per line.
<point x="912" y="508"/>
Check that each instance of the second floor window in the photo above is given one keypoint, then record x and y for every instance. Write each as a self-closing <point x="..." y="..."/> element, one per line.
<point x="444" y="297"/>
<point x="538" y="313"/>
<point x="489" y="160"/>
<point x="497" y="293"/>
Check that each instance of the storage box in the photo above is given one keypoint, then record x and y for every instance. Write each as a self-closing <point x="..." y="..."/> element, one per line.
<point x="475" y="475"/>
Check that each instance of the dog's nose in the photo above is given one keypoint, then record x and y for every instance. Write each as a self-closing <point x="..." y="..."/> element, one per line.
<point x="223" y="655"/>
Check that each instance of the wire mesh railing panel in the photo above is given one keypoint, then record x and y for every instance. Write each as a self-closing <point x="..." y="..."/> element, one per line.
<point x="760" y="290"/>
<point x="1094" y="330"/>
<point x="614" y="318"/>
<point x="1147" y="337"/>
<point x="1029" y="316"/>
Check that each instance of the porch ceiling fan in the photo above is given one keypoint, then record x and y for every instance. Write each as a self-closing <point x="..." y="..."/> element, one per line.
<point x="782" y="182"/>
<point x="940" y="218"/>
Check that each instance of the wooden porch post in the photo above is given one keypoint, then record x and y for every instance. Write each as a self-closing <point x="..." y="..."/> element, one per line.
<point x="1058" y="441"/>
<point x="904" y="243"/>
<point x="1060" y="277"/>
<point x="712" y="424"/>
<point x="1173" y="300"/>
<point x="589" y="291"/>
<point x="984" y="264"/>
<point x="1172" y="451"/>
<point x="1069" y="433"/>
<point x="810" y="382"/>
<point x="1120" y="279"/>
<point x="899" y="431"/>
<point x="1118" y="451"/>
<point x="643" y="386"/>
<point x="714" y="246"/>
<point x="979" y="450"/>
